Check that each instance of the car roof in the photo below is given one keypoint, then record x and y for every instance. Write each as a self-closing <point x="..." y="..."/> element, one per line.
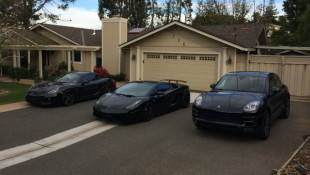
<point x="250" y="73"/>
<point x="79" y="73"/>
<point x="158" y="82"/>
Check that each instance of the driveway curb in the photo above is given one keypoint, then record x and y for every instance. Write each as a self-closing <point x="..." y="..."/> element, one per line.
<point x="294" y="154"/>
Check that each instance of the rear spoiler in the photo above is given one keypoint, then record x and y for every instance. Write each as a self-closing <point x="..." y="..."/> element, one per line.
<point x="176" y="81"/>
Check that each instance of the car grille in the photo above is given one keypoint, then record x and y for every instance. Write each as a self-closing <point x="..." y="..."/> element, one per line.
<point x="233" y="118"/>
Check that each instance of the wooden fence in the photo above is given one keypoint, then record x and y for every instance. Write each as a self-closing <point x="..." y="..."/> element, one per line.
<point x="293" y="70"/>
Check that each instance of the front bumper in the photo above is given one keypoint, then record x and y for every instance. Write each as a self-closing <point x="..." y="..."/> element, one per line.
<point x="43" y="100"/>
<point x="118" y="115"/>
<point x="246" y="122"/>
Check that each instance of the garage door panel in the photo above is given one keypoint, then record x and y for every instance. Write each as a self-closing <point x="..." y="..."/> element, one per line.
<point x="198" y="70"/>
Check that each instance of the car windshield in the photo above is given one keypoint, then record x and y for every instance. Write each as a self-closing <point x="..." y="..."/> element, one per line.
<point x="243" y="83"/>
<point x="69" y="78"/>
<point x="136" y="89"/>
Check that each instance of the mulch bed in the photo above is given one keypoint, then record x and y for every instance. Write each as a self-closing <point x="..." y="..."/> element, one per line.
<point x="302" y="158"/>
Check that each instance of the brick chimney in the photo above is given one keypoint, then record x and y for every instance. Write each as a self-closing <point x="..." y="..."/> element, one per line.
<point x="114" y="33"/>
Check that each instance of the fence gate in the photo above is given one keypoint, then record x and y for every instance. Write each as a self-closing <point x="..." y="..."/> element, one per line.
<point x="293" y="70"/>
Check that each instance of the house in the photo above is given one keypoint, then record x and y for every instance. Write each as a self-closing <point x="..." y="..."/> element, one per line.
<point x="198" y="55"/>
<point x="46" y="44"/>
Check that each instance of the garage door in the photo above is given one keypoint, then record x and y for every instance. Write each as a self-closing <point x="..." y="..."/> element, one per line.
<point x="198" y="70"/>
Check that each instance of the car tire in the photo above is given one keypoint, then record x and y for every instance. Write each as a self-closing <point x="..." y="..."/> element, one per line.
<point x="186" y="100"/>
<point x="286" y="112"/>
<point x="264" y="128"/>
<point x="148" y="112"/>
<point x="68" y="98"/>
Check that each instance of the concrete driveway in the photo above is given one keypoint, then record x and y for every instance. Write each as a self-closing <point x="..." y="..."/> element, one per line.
<point x="169" y="144"/>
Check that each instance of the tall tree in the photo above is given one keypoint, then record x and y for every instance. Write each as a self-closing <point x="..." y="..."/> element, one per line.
<point x="138" y="16"/>
<point x="27" y="12"/>
<point x="303" y="29"/>
<point x="240" y="9"/>
<point x="188" y="10"/>
<point x="153" y="11"/>
<point x="212" y="12"/>
<point x="294" y="9"/>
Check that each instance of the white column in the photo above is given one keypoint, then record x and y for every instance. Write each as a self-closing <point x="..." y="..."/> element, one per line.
<point x="130" y="65"/>
<point x="18" y="58"/>
<point x="247" y="61"/>
<point x="14" y="58"/>
<point x="69" y="61"/>
<point x="224" y="61"/>
<point x="92" y="58"/>
<point x="28" y="59"/>
<point x="40" y="64"/>
<point x="235" y="60"/>
<point x="138" y="64"/>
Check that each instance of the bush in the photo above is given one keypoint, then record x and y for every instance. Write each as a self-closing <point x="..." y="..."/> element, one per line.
<point x="64" y="65"/>
<point x="52" y="70"/>
<point x="15" y="73"/>
<point x="118" y="77"/>
<point x="102" y="71"/>
<point x="33" y="72"/>
<point x="37" y="79"/>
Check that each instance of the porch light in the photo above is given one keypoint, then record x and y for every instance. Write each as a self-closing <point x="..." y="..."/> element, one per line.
<point x="229" y="60"/>
<point x="133" y="57"/>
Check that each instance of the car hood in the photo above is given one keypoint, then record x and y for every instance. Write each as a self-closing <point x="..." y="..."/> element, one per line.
<point x="45" y="87"/>
<point x="116" y="101"/>
<point x="229" y="101"/>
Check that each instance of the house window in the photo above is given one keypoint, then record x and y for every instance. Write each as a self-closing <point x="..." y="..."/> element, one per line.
<point x="188" y="57"/>
<point x="207" y="58"/>
<point x="171" y="57"/>
<point x="76" y="56"/>
<point x="153" y="56"/>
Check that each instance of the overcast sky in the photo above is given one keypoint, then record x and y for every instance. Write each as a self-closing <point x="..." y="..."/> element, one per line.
<point x="84" y="13"/>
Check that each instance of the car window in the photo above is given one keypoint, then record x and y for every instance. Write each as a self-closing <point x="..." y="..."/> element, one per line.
<point x="163" y="87"/>
<point x="243" y="83"/>
<point x="89" y="77"/>
<point x="98" y="77"/>
<point x="136" y="89"/>
<point x="278" y="81"/>
<point x="272" y="82"/>
<point x="70" y="78"/>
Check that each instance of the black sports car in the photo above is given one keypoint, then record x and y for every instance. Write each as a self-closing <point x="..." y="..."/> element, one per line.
<point x="73" y="86"/>
<point x="142" y="100"/>
<point x="243" y="100"/>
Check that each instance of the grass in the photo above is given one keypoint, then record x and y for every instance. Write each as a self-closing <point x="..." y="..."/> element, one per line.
<point x="17" y="92"/>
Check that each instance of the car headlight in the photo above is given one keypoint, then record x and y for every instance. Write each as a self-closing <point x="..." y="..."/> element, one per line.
<point x="134" y="104"/>
<point x="253" y="106"/>
<point x="198" y="100"/>
<point x="53" y="91"/>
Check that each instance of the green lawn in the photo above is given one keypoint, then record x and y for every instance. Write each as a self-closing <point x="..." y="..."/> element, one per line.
<point x="17" y="92"/>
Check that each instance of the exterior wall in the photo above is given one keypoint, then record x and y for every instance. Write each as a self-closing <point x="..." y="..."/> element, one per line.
<point x="114" y="32"/>
<point x="182" y="41"/>
<point x="125" y="64"/>
<point x="53" y="36"/>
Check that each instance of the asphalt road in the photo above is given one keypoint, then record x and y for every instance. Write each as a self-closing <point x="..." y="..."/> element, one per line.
<point x="169" y="144"/>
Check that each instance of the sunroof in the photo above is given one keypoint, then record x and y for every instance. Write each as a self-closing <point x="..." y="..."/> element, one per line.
<point x="136" y="30"/>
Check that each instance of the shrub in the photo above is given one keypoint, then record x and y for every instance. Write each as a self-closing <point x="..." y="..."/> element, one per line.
<point x="52" y="70"/>
<point x="118" y="77"/>
<point x="102" y="71"/>
<point x="15" y="73"/>
<point x="64" y="65"/>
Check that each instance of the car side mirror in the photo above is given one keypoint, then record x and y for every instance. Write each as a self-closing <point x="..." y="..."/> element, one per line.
<point x="212" y="86"/>
<point x="275" y="89"/>
<point x="85" y="82"/>
<point x="160" y="93"/>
